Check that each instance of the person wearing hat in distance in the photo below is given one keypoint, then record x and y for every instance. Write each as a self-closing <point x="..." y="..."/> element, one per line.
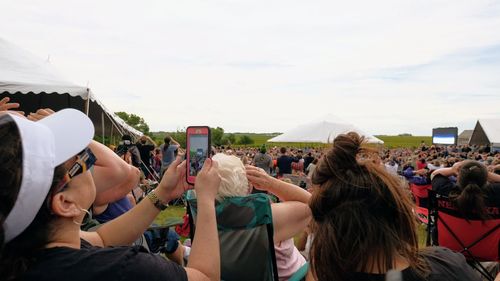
<point x="46" y="187"/>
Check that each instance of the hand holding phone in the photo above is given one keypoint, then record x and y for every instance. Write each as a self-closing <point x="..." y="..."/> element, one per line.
<point x="197" y="150"/>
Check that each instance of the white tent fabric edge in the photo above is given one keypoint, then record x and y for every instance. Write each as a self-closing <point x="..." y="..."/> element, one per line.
<point x="321" y="132"/>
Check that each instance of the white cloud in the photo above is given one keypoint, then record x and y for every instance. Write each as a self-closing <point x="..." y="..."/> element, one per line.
<point x="388" y="66"/>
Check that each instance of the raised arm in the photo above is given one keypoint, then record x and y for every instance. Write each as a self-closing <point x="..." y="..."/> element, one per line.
<point x="289" y="217"/>
<point x="125" y="229"/>
<point x="285" y="191"/>
<point x="204" y="260"/>
<point x="447" y="172"/>
<point x="113" y="177"/>
<point x="492" y="177"/>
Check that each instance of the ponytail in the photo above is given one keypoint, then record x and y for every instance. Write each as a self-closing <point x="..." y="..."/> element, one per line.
<point x="471" y="201"/>
<point x="472" y="182"/>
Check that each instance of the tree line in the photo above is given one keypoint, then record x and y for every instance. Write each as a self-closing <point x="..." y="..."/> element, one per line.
<point x="218" y="136"/>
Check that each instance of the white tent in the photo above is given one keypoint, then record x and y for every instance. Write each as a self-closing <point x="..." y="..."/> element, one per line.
<point x="35" y="84"/>
<point x="323" y="130"/>
<point x="486" y="132"/>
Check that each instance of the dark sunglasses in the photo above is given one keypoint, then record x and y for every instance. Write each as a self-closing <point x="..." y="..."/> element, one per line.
<point x="85" y="161"/>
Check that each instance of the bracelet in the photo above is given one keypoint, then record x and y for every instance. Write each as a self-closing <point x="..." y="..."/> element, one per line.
<point x="156" y="201"/>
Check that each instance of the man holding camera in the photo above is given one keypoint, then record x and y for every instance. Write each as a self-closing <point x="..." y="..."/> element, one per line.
<point x="146" y="145"/>
<point x="129" y="151"/>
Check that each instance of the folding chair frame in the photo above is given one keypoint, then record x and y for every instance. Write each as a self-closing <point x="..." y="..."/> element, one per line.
<point x="432" y="233"/>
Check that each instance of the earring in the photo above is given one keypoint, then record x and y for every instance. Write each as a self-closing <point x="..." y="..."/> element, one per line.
<point x="85" y="211"/>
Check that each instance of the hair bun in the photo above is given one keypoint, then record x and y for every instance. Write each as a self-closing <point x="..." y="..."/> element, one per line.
<point x="345" y="150"/>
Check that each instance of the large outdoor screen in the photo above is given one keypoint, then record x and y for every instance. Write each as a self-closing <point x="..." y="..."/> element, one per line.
<point x="445" y="135"/>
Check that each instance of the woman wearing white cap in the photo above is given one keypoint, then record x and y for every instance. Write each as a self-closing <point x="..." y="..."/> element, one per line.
<point x="46" y="187"/>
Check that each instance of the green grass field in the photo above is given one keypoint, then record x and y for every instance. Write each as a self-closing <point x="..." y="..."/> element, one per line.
<point x="389" y="141"/>
<point x="261" y="138"/>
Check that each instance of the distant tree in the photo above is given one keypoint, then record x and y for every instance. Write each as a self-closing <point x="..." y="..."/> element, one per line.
<point x="245" y="140"/>
<point x="135" y="121"/>
<point x="217" y="134"/>
<point x="179" y="136"/>
<point x="228" y="139"/>
<point x="405" y="135"/>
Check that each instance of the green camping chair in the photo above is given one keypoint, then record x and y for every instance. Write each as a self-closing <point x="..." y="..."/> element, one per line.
<point x="245" y="226"/>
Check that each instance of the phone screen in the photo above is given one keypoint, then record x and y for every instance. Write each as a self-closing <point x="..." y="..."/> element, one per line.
<point x="198" y="146"/>
<point x="197" y="153"/>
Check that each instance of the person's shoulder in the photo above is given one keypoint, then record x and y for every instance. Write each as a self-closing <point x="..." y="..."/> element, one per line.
<point x="442" y="184"/>
<point x="446" y="264"/>
<point x="494" y="192"/>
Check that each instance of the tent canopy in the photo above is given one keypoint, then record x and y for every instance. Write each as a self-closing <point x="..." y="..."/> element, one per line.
<point x="464" y="137"/>
<point x="35" y="84"/>
<point x="323" y="130"/>
<point x="486" y="132"/>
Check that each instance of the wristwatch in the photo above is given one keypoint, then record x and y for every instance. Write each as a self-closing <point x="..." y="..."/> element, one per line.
<point x="156" y="201"/>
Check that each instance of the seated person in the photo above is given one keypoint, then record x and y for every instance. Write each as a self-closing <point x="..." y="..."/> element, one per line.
<point x="474" y="189"/>
<point x="364" y="225"/>
<point x="47" y="186"/>
<point x="417" y="177"/>
<point x="289" y="217"/>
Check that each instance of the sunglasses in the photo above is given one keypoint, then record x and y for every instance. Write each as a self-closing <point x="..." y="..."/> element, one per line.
<point x="85" y="161"/>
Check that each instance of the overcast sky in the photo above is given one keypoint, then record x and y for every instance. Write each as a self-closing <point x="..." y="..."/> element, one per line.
<point x="265" y="66"/>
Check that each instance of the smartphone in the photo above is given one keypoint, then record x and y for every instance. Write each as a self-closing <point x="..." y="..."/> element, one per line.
<point x="198" y="149"/>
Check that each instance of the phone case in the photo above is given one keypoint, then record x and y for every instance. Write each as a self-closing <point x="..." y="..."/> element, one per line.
<point x="191" y="179"/>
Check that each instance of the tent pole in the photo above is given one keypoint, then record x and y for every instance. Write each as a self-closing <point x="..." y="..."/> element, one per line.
<point x="111" y="140"/>
<point x="102" y="122"/>
<point x="87" y="102"/>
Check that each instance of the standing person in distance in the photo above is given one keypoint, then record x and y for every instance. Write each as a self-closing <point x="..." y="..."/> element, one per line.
<point x="263" y="160"/>
<point x="146" y="145"/>
<point x="168" y="150"/>
<point x="285" y="162"/>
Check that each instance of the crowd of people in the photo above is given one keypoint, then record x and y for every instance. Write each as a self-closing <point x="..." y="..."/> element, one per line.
<point x="358" y="217"/>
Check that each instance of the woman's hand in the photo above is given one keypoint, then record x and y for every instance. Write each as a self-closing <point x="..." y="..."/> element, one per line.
<point x="173" y="183"/>
<point x="259" y="178"/>
<point x="207" y="181"/>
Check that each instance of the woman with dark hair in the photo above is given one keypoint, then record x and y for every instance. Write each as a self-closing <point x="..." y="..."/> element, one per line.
<point x="474" y="188"/>
<point x="364" y="225"/>
<point x="46" y="188"/>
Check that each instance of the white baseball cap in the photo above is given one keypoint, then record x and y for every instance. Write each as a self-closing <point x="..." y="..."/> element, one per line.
<point x="45" y="145"/>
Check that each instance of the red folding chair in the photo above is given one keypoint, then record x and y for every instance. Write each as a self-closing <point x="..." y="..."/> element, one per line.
<point x="477" y="240"/>
<point x="421" y="195"/>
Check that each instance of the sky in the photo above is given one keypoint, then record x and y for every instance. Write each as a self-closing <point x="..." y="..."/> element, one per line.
<point x="387" y="66"/>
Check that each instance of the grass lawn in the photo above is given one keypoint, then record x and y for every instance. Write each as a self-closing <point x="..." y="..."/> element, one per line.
<point x="170" y="212"/>
<point x="389" y="141"/>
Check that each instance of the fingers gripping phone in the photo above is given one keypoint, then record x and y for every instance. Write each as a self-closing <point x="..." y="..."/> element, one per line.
<point x="198" y="149"/>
